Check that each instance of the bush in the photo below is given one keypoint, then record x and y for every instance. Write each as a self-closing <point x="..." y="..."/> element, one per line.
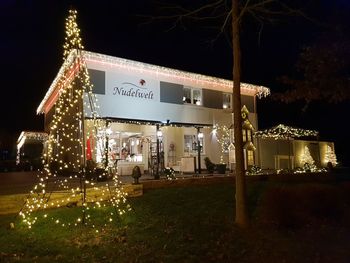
<point x="221" y="168"/>
<point x="169" y="173"/>
<point x="254" y="170"/>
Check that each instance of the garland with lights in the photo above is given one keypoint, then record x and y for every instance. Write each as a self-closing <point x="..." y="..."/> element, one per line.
<point x="285" y="132"/>
<point x="66" y="168"/>
<point x="186" y="78"/>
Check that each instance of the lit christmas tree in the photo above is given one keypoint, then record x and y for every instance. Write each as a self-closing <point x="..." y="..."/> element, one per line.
<point x="330" y="156"/>
<point x="306" y="157"/>
<point x="307" y="161"/>
<point x="66" y="169"/>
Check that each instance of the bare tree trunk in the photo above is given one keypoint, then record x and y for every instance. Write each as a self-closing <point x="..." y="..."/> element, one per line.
<point x="242" y="219"/>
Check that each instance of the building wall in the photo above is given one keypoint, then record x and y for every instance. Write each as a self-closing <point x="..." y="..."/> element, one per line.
<point x="129" y="95"/>
<point x="269" y="149"/>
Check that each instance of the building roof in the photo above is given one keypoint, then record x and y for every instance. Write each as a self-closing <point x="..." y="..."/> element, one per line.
<point x="31" y="135"/>
<point x="172" y="75"/>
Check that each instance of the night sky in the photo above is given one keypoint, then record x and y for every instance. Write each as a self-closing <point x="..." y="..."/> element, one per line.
<point x="32" y="35"/>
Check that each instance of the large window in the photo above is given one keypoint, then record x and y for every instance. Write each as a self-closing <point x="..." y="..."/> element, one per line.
<point x="191" y="144"/>
<point x="226" y="100"/>
<point x="192" y="96"/>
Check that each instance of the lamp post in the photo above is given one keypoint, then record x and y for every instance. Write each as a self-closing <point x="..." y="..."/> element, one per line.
<point x="159" y="136"/>
<point x="108" y="132"/>
<point x="199" y="136"/>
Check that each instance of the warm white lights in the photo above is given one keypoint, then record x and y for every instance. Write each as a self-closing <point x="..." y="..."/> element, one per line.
<point x="285" y="132"/>
<point x="67" y="145"/>
<point x="159" y="134"/>
<point x="157" y="72"/>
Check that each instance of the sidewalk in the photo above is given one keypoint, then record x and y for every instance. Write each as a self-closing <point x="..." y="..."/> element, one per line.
<point x="11" y="202"/>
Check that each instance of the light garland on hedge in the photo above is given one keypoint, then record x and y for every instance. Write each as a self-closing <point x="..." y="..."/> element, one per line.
<point x="66" y="140"/>
<point x="285" y="132"/>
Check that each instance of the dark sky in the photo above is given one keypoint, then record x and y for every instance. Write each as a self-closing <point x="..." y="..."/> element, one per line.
<point x="32" y="35"/>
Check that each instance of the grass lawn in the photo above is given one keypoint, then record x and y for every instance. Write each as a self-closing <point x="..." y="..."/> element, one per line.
<point x="291" y="222"/>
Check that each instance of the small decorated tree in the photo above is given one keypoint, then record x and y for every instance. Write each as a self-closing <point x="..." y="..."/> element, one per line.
<point x="307" y="161"/>
<point x="222" y="133"/>
<point x="330" y="156"/>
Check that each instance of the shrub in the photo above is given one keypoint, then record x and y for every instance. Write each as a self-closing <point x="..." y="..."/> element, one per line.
<point x="221" y="168"/>
<point x="254" y="170"/>
<point x="169" y="173"/>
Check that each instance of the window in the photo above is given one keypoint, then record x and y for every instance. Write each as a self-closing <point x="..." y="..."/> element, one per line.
<point x="191" y="143"/>
<point x="187" y="95"/>
<point x="250" y="155"/>
<point x="249" y="135"/>
<point x="226" y="101"/>
<point x="244" y="132"/>
<point x="192" y="96"/>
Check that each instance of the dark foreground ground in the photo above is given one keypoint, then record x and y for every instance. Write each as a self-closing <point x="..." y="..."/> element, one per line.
<point x="291" y="222"/>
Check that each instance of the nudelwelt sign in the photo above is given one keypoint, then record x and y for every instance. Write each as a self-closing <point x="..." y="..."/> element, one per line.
<point x="129" y="89"/>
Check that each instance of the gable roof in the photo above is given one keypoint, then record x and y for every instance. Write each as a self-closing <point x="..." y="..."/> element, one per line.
<point x="177" y="76"/>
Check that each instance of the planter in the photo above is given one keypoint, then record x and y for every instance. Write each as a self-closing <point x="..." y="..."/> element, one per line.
<point x="221" y="168"/>
<point x="136" y="174"/>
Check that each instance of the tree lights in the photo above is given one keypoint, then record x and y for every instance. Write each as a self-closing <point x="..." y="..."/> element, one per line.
<point x="65" y="158"/>
<point x="330" y="156"/>
<point x="222" y="133"/>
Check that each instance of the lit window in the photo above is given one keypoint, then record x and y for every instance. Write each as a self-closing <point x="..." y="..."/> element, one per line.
<point x="192" y="96"/>
<point x="249" y="135"/>
<point x="187" y="95"/>
<point x="191" y="143"/>
<point x="244" y="132"/>
<point x="226" y="101"/>
<point x="250" y="155"/>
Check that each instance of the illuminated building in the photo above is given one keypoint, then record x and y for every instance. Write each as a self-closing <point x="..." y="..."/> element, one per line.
<point x="285" y="147"/>
<point x="136" y="101"/>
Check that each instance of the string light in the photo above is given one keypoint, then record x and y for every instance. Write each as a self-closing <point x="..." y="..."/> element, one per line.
<point x="330" y="156"/>
<point x="285" y="132"/>
<point x="222" y="134"/>
<point x="66" y="144"/>
<point x="177" y="76"/>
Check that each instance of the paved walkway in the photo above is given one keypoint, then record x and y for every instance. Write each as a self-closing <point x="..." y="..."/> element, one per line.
<point x="15" y="187"/>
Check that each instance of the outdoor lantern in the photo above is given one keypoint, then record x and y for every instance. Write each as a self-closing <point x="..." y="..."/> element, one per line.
<point x="159" y="134"/>
<point x="200" y="135"/>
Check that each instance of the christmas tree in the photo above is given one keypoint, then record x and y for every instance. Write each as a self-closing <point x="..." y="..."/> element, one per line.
<point x="330" y="156"/>
<point x="66" y="169"/>
<point x="307" y="161"/>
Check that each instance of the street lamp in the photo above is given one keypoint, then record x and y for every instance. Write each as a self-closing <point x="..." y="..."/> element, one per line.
<point x="199" y="137"/>
<point x="159" y="137"/>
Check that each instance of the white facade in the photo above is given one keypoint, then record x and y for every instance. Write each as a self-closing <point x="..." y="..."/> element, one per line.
<point x="134" y="98"/>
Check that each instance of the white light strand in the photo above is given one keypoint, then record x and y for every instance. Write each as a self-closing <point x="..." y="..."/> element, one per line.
<point x="155" y="71"/>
